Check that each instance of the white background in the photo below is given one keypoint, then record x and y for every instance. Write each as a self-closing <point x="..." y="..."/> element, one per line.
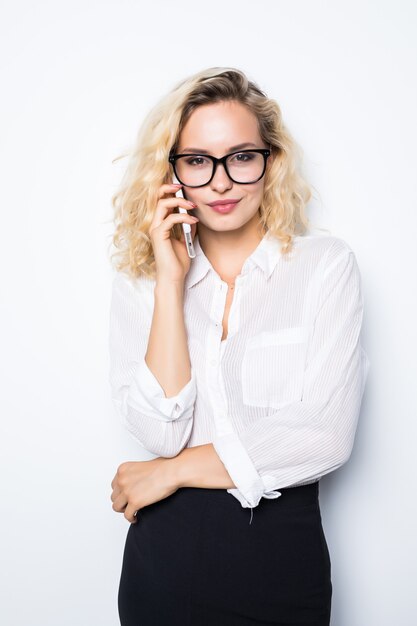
<point x="77" y="78"/>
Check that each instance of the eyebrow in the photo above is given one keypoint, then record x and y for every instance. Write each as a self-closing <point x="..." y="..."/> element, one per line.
<point x="239" y="146"/>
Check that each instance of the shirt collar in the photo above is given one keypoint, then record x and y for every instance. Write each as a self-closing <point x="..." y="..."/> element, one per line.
<point x="265" y="256"/>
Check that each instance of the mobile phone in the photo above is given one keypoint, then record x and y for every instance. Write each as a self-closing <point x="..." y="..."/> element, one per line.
<point x="185" y="227"/>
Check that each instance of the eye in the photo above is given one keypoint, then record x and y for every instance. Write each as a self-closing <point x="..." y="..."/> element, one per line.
<point x="243" y="157"/>
<point x="197" y="160"/>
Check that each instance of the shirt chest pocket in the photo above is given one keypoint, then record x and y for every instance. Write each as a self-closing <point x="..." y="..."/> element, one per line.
<point x="273" y="366"/>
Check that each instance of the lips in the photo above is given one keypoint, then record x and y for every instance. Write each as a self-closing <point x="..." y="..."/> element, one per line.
<point x="223" y="206"/>
<point x="224" y="201"/>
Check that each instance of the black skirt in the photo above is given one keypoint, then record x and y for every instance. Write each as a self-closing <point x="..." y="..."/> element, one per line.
<point x="198" y="558"/>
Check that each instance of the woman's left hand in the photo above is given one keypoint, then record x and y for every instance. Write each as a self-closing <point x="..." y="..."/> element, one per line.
<point x="139" y="483"/>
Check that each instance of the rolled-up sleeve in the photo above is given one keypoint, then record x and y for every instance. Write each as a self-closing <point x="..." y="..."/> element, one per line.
<point x="308" y="438"/>
<point x="159" y="424"/>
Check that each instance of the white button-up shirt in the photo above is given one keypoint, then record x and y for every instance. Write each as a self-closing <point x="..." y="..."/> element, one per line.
<point x="280" y="397"/>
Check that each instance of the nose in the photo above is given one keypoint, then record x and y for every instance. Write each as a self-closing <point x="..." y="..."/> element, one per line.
<point x="220" y="181"/>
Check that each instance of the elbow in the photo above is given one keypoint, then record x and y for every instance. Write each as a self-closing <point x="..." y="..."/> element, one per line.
<point x="342" y="432"/>
<point x="162" y="431"/>
<point x="162" y="438"/>
<point x="342" y="446"/>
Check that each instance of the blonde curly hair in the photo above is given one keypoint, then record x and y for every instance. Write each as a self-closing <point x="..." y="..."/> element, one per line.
<point x="286" y="193"/>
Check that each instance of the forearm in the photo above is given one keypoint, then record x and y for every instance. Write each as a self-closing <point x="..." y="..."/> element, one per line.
<point x="200" y="466"/>
<point x="167" y="353"/>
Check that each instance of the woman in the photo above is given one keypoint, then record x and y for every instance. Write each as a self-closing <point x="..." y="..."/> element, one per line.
<point x="241" y="368"/>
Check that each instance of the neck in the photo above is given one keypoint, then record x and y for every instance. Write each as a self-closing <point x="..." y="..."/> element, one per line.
<point x="227" y="251"/>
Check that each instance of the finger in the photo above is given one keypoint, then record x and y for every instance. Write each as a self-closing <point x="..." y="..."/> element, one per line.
<point x="168" y="188"/>
<point x="171" y="203"/>
<point x="166" y="207"/>
<point x="120" y="504"/>
<point x="174" y="218"/>
<point x="130" y="513"/>
<point x="193" y="231"/>
<point x="115" y="494"/>
<point x="114" y="482"/>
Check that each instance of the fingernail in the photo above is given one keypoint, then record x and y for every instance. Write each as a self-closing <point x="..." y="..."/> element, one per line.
<point x="177" y="184"/>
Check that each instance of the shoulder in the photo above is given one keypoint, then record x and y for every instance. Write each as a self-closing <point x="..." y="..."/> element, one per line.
<point x="322" y="248"/>
<point x="322" y="242"/>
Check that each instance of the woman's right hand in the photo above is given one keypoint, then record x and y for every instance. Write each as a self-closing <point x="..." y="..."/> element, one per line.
<point x="171" y="256"/>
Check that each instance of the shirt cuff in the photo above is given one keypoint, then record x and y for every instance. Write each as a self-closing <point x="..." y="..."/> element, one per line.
<point x="250" y="486"/>
<point x="147" y="396"/>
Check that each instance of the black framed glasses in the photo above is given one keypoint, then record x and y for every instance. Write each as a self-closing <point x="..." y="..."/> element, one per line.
<point x="243" y="167"/>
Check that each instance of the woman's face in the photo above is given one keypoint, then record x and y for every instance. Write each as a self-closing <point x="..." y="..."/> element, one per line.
<point x="217" y="128"/>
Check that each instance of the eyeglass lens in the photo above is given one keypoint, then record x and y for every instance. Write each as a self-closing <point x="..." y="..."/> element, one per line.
<point x="243" y="167"/>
